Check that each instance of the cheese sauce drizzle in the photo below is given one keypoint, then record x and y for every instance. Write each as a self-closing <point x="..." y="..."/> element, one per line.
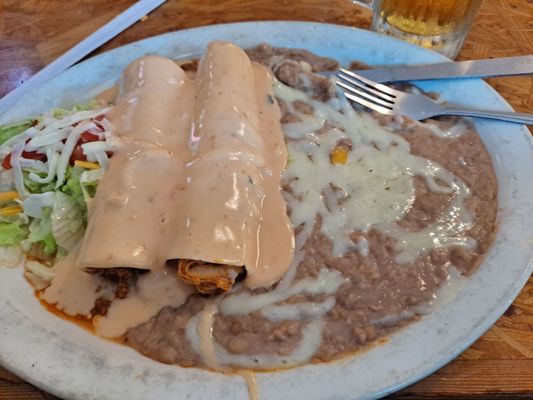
<point x="205" y="334"/>
<point x="374" y="188"/>
<point x="311" y="338"/>
<point x="251" y="383"/>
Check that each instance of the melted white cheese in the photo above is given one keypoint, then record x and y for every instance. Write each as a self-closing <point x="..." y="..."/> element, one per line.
<point x="448" y="230"/>
<point x="327" y="282"/>
<point x="205" y="334"/>
<point x="308" y="345"/>
<point x="375" y="187"/>
<point x="298" y="311"/>
<point x="454" y="283"/>
<point x="453" y="132"/>
<point x="310" y="342"/>
<point x="251" y="383"/>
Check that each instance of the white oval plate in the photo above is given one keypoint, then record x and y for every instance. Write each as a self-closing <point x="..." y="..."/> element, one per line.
<point x="64" y="359"/>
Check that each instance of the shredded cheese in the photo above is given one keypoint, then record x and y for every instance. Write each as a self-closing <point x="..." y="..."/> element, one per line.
<point x="8" y="196"/>
<point x="10" y="211"/>
<point x="85" y="164"/>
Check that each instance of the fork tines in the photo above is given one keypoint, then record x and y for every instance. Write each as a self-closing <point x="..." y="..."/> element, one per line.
<point x="373" y="95"/>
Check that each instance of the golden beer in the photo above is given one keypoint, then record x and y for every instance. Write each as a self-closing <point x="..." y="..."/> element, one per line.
<point x="440" y="25"/>
<point x="427" y="17"/>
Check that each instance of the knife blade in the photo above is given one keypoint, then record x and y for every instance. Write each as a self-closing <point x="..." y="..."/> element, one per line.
<point x="505" y="66"/>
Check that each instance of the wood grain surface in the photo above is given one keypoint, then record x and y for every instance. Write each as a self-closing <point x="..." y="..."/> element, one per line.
<point x="34" y="32"/>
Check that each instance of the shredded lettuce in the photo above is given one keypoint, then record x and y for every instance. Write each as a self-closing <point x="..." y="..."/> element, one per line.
<point x="36" y="187"/>
<point x="12" y="232"/>
<point x="41" y="232"/>
<point x="11" y="130"/>
<point x="54" y="213"/>
<point x="73" y="188"/>
<point x="67" y="221"/>
<point x="58" y="222"/>
<point x="89" y="182"/>
<point x="61" y="112"/>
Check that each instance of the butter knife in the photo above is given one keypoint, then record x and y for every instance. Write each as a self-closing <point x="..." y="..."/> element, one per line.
<point x="505" y="66"/>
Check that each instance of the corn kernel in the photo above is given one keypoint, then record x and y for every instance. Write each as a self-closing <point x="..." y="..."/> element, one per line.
<point x="10" y="211"/>
<point x="339" y="155"/>
<point x="87" y="164"/>
<point x="8" y="196"/>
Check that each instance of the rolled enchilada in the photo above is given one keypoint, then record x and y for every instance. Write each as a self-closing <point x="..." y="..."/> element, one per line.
<point x="198" y="176"/>
<point x="238" y="154"/>
<point x="134" y="206"/>
<point x="128" y="216"/>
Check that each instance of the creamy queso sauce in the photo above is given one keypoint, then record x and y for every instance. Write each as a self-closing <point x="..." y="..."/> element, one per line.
<point x="199" y="170"/>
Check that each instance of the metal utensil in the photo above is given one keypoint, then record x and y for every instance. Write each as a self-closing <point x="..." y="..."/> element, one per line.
<point x="505" y="66"/>
<point x="386" y="100"/>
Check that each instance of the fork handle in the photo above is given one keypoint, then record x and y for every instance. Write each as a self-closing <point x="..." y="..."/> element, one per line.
<point x="519" y="118"/>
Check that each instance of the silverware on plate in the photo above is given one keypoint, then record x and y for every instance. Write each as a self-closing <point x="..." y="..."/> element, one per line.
<point x="385" y="100"/>
<point x="494" y="67"/>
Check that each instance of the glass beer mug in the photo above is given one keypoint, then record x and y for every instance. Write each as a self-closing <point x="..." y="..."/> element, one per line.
<point x="439" y="25"/>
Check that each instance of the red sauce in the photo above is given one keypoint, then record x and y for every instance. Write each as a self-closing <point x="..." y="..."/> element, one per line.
<point x="79" y="320"/>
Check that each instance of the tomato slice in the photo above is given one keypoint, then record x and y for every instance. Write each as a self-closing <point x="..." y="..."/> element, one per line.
<point x="97" y="121"/>
<point x="88" y="136"/>
<point x="33" y="155"/>
<point x="29" y="155"/>
<point x="77" y="154"/>
<point x="6" y="163"/>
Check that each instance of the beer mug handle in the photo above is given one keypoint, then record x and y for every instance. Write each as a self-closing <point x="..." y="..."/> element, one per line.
<point x="365" y="3"/>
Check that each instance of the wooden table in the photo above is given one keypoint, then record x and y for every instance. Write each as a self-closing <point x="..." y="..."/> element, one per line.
<point x="34" y="32"/>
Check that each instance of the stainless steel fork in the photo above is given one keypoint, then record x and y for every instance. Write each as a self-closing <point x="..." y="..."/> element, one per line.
<point x="386" y="100"/>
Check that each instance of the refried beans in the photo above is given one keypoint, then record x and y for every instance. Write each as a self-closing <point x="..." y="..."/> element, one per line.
<point x="350" y="284"/>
